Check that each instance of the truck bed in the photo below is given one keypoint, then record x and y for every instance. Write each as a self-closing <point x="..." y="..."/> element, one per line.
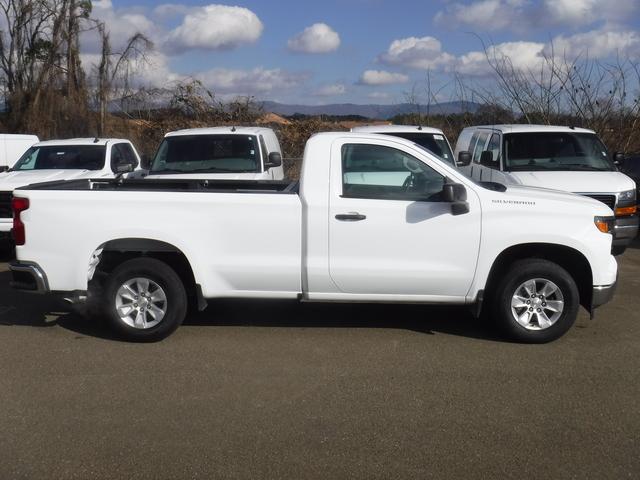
<point x="171" y="185"/>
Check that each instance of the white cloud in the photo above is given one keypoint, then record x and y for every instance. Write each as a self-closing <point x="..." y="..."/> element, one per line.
<point x="215" y="27"/>
<point x="381" y="77"/>
<point x="522" y="56"/>
<point x="379" y="95"/>
<point x="249" y="82"/>
<point x="318" y="38"/>
<point x="422" y="53"/>
<point x="516" y="15"/>
<point x="596" y="44"/>
<point x="331" y="90"/>
<point x="121" y="25"/>
<point x="485" y="14"/>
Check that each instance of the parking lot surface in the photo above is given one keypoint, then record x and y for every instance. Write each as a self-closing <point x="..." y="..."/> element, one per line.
<point x="287" y="390"/>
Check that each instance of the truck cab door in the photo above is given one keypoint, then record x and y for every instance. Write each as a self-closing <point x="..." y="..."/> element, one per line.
<point x="391" y="233"/>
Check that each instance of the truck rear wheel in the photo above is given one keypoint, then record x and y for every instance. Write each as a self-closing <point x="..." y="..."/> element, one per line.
<point x="145" y="300"/>
<point x="536" y="301"/>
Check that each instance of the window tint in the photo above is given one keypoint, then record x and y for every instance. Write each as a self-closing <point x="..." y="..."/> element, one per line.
<point x="482" y="139"/>
<point x="494" y="147"/>
<point x="434" y="143"/>
<point x="122" y="153"/>
<point x="72" y="157"/>
<point x="375" y="171"/>
<point x="207" y="153"/>
<point x="555" y="151"/>
<point x="472" y="143"/>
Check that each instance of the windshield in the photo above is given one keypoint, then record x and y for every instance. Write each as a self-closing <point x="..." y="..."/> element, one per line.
<point x="207" y="153"/>
<point x="434" y="143"/>
<point x="62" y="157"/>
<point x="542" y="151"/>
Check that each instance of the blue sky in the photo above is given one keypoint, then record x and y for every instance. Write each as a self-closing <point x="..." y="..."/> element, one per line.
<point x="361" y="51"/>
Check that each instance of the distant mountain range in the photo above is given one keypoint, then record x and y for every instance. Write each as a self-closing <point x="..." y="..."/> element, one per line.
<point x="382" y="112"/>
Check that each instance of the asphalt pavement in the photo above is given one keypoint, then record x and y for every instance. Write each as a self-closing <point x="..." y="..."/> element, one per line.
<point x="286" y="390"/>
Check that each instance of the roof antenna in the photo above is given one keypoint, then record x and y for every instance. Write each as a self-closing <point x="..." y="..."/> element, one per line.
<point x="96" y="140"/>
<point x="233" y="129"/>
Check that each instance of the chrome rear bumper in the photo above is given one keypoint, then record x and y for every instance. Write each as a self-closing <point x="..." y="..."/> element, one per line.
<point x="29" y="277"/>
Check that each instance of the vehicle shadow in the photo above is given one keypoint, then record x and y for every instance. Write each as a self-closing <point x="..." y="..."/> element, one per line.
<point x="25" y="309"/>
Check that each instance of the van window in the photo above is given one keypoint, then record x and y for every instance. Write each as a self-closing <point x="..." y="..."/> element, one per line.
<point x="482" y="139"/>
<point x="560" y="151"/>
<point x="494" y="147"/>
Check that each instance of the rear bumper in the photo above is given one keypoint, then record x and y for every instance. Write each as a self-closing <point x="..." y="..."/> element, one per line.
<point x="602" y="294"/>
<point x="29" y="277"/>
<point x="625" y="230"/>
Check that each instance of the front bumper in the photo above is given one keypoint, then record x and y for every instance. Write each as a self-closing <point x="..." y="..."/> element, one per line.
<point x="625" y="230"/>
<point x="602" y="294"/>
<point x="29" y="277"/>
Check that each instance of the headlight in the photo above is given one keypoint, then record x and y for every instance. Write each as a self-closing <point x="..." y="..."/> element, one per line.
<point x="627" y="197"/>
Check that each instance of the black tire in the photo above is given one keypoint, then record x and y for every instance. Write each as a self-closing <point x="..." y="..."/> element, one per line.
<point x="616" y="251"/>
<point x="521" y="272"/>
<point x="164" y="276"/>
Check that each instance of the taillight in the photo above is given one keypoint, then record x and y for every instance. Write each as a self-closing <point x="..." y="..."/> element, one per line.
<point x="19" y="205"/>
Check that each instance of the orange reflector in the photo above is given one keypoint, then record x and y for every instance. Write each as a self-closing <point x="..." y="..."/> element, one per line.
<point x="602" y="225"/>
<point x="622" y="211"/>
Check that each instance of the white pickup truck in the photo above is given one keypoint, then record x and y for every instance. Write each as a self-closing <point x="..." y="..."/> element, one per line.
<point x="374" y="219"/>
<point x="219" y="153"/>
<point x="64" y="160"/>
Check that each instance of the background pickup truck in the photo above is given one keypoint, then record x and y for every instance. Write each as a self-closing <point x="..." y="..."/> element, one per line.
<point x="64" y="160"/>
<point x="374" y="219"/>
<point x="220" y="153"/>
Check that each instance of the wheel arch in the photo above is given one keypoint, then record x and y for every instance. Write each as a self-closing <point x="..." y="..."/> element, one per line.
<point x="117" y="251"/>
<point x="572" y="260"/>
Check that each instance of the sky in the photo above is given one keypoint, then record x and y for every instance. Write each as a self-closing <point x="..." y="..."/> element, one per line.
<point x="358" y="51"/>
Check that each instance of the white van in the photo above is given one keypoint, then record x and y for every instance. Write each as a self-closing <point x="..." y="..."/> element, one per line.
<point x="12" y="147"/>
<point x="433" y="139"/>
<point x="219" y="153"/>
<point x="561" y="158"/>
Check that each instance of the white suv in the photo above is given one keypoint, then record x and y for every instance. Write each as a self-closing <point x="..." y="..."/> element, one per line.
<point x="561" y="158"/>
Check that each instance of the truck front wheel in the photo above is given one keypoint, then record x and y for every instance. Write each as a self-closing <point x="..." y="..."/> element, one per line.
<point x="536" y="301"/>
<point x="145" y="300"/>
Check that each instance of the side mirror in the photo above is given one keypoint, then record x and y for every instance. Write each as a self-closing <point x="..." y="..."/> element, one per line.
<point x="275" y="160"/>
<point x="456" y="195"/>
<point x="464" y="159"/>
<point x="145" y="162"/>
<point x="486" y="159"/>
<point x="124" y="168"/>
<point x="4" y="168"/>
<point x="619" y="158"/>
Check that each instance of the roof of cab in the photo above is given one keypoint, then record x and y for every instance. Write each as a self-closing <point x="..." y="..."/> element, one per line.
<point x="526" y="128"/>
<point x="17" y="136"/>
<point x="220" y="131"/>
<point x="396" y="129"/>
<point x="80" y="141"/>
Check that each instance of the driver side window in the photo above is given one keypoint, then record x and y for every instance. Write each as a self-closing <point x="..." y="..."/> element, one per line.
<point x="379" y="172"/>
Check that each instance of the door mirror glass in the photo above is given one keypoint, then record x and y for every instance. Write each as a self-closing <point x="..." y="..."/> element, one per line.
<point x="275" y="160"/>
<point x="486" y="159"/>
<point x="124" y="168"/>
<point x="619" y="158"/>
<point x="464" y="159"/>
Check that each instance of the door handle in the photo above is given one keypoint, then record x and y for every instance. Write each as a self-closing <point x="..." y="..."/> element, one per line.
<point x="351" y="217"/>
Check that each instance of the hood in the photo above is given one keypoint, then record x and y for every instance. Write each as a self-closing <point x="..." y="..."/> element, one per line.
<point x="210" y="176"/>
<point x="579" y="182"/>
<point x="538" y="194"/>
<point x="11" y="180"/>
